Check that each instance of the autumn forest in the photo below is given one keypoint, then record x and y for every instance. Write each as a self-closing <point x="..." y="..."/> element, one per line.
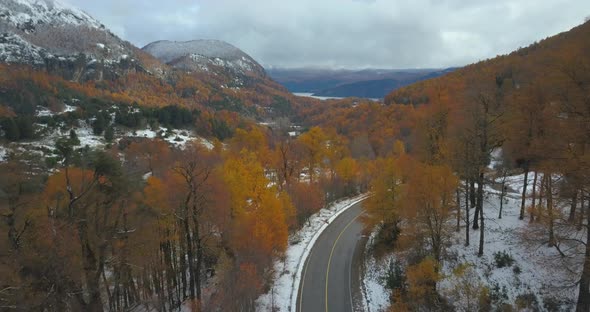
<point x="143" y="223"/>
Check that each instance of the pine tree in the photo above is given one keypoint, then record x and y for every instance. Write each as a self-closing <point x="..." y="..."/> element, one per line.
<point x="74" y="138"/>
<point x="10" y="128"/>
<point x="109" y="134"/>
<point x="25" y="127"/>
<point x="99" y="124"/>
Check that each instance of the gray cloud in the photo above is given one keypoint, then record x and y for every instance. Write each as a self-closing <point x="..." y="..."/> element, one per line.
<point x="346" y="33"/>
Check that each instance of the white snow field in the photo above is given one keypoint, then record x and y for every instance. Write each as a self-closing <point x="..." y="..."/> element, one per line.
<point x="539" y="273"/>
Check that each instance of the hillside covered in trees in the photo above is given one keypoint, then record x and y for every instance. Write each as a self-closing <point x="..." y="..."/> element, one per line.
<point x="151" y="218"/>
<point x="526" y="114"/>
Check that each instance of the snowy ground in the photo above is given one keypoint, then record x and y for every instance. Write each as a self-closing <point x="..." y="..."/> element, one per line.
<point x="538" y="275"/>
<point x="3" y="153"/>
<point x="178" y="138"/>
<point x="375" y="295"/>
<point x="45" y="146"/>
<point x="44" y="111"/>
<point x="283" y="294"/>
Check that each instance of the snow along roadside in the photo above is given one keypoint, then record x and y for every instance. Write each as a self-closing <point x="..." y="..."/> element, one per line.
<point x="283" y="294"/>
<point x="374" y="294"/>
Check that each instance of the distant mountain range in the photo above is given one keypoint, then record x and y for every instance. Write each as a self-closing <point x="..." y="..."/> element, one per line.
<point x="367" y="83"/>
<point x="66" y="41"/>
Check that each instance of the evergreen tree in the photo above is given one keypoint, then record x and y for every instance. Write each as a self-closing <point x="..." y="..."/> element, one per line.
<point x="74" y="137"/>
<point x="99" y="124"/>
<point x="109" y="134"/>
<point x="25" y="127"/>
<point x="10" y="128"/>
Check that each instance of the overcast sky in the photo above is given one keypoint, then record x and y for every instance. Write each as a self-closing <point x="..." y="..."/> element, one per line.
<point x="346" y="33"/>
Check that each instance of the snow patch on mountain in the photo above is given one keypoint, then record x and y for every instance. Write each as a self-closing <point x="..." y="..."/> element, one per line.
<point x="65" y="41"/>
<point x="204" y="55"/>
<point x="26" y="15"/>
<point x="168" y="51"/>
<point x="13" y="49"/>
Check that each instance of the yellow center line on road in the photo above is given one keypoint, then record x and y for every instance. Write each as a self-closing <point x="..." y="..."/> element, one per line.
<point x="332" y="252"/>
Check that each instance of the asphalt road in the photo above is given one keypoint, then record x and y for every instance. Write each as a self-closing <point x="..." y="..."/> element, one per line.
<point x="330" y="280"/>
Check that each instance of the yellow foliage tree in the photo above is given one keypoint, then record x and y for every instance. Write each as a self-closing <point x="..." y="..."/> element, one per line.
<point x="422" y="279"/>
<point x="348" y="170"/>
<point x="429" y="202"/>
<point x="259" y="211"/>
<point x="314" y="146"/>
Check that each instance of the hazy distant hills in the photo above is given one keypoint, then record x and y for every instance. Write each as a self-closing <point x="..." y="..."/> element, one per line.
<point x="367" y="83"/>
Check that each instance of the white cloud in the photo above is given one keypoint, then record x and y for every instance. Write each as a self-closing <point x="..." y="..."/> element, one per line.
<point x="346" y="33"/>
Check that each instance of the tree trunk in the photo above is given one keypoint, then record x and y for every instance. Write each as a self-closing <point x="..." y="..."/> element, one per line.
<point x="481" y="216"/>
<point x="92" y="279"/>
<point x="472" y="193"/>
<point x="541" y="196"/>
<point x="582" y="209"/>
<point x="466" y="213"/>
<point x="190" y="258"/>
<point x="524" y="189"/>
<point x="476" y="217"/>
<point x="182" y="265"/>
<point x="109" y="295"/>
<point x="199" y="251"/>
<point x="502" y="194"/>
<point x="458" y="210"/>
<point x="583" y="304"/>
<point x="534" y="195"/>
<point x="198" y="273"/>
<point x="550" y="209"/>
<point x="573" y="207"/>
<point x="90" y="264"/>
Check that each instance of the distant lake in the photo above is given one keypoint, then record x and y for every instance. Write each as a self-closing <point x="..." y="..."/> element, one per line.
<point x="325" y="97"/>
<point x="317" y="97"/>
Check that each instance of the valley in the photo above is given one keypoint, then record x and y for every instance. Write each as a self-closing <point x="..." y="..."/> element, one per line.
<point x="368" y="83"/>
<point x="191" y="175"/>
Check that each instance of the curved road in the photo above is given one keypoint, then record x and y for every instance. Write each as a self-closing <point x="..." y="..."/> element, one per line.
<point x="330" y="280"/>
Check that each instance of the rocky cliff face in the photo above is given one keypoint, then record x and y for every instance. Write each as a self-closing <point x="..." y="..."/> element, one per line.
<point x="63" y="40"/>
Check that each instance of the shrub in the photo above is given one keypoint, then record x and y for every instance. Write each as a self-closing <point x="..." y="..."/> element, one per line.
<point x="516" y="269"/>
<point x="554" y="304"/>
<point x="388" y="233"/>
<point x="395" y="277"/>
<point x="498" y="296"/>
<point x="503" y="259"/>
<point x="527" y="302"/>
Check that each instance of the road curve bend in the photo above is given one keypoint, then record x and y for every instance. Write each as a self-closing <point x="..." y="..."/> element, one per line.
<point x="330" y="277"/>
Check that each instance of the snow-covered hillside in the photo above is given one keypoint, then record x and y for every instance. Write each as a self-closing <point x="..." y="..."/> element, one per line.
<point x="203" y="54"/>
<point x="539" y="278"/>
<point x="28" y="15"/>
<point x="51" y="35"/>
<point x="47" y="136"/>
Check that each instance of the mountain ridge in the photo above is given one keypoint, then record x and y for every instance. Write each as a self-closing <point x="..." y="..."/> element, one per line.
<point x="203" y="55"/>
<point x="63" y="40"/>
<point x="367" y="83"/>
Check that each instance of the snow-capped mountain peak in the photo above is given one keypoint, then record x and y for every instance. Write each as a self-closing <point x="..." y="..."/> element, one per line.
<point x="28" y="15"/>
<point x="52" y="35"/>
